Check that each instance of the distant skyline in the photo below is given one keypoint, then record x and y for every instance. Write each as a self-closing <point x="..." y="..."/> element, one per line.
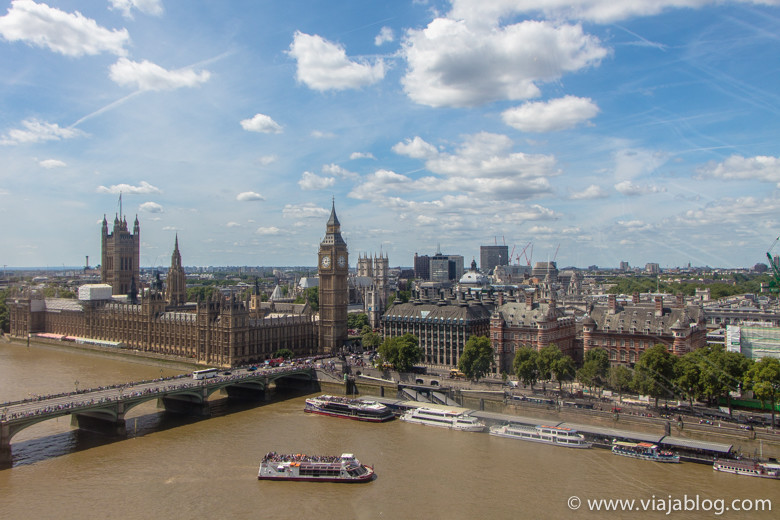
<point x="604" y="131"/>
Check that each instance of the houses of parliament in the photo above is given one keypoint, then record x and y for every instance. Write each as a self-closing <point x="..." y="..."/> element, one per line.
<point x="222" y="331"/>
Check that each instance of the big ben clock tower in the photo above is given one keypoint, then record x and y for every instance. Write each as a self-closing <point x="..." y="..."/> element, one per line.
<point x="333" y="268"/>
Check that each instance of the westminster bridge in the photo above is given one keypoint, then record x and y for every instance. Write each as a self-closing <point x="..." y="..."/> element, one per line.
<point x="103" y="409"/>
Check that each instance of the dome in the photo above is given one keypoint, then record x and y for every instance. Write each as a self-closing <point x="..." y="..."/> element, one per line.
<point x="473" y="278"/>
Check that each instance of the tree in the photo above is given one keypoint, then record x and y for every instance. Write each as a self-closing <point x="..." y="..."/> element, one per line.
<point x="402" y="352"/>
<point x="477" y="358"/>
<point x="763" y="377"/>
<point x="687" y="374"/>
<point x="312" y="296"/>
<point x="563" y="369"/>
<point x="596" y="366"/>
<point x="548" y="357"/>
<point x="525" y="365"/>
<point x="285" y="353"/>
<point x="5" y="319"/>
<point x="357" y="320"/>
<point x="723" y="372"/>
<point x="371" y="339"/>
<point x="619" y="378"/>
<point x="654" y="372"/>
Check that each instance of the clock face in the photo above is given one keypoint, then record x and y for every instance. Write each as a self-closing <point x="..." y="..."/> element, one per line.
<point x="326" y="261"/>
<point x="342" y="261"/>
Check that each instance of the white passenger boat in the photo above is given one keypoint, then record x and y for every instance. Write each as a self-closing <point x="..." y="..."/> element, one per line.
<point x="444" y="419"/>
<point x="748" y="468"/>
<point x="318" y="468"/>
<point x="643" y="451"/>
<point x="544" y="434"/>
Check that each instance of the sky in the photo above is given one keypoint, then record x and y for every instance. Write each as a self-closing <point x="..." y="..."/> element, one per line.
<point x="588" y="132"/>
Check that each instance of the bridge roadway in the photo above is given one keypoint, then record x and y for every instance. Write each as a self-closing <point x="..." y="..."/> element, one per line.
<point x="103" y="409"/>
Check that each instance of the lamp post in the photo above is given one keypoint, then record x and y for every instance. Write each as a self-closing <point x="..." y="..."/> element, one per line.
<point x="77" y="385"/>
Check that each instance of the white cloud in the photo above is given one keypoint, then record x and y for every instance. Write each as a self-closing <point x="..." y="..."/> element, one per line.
<point x="150" y="207"/>
<point x="453" y="64"/>
<point x="323" y="65"/>
<point x="318" y="134"/>
<point x="146" y="75"/>
<point x="549" y="116"/>
<point x="760" y="168"/>
<point x="143" y="188"/>
<point x="416" y="148"/>
<point x="385" y="35"/>
<point x="377" y="184"/>
<point x="267" y="159"/>
<point x="591" y="192"/>
<point x="261" y="123"/>
<point x="338" y="171"/>
<point x="232" y="224"/>
<point x="310" y="181"/>
<point x="272" y="230"/>
<point x="361" y="155"/>
<point x="630" y="189"/>
<point x="488" y="155"/>
<point x="632" y="162"/>
<point x="65" y="33"/>
<point x="307" y="210"/>
<point x="37" y="131"/>
<point x="52" y="163"/>
<point x="152" y="7"/>
<point x="599" y="11"/>
<point x="249" y="196"/>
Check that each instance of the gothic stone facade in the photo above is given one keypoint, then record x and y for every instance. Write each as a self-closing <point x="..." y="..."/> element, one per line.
<point x="221" y="331"/>
<point x="333" y="292"/>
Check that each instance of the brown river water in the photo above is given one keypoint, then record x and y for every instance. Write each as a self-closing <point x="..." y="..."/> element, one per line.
<point x="173" y="467"/>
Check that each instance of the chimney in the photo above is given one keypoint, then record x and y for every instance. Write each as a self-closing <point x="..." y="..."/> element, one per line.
<point x="500" y="297"/>
<point x="529" y="300"/>
<point x="635" y="298"/>
<point x="680" y="300"/>
<point x="612" y="303"/>
<point x="659" y="306"/>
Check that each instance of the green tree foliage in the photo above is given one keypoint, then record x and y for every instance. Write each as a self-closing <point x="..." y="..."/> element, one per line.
<point x="58" y="292"/>
<point x="763" y="377"/>
<point x="357" y="320"/>
<point x="548" y="357"/>
<point x="687" y="374"/>
<point x="722" y="372"/>
<point x="564" y="370"/>
<point x="5" y="319"/>
<point x="654" y="373"/>
<point x="400" y="297"/>
<point x="477" y="358"/>
<point x="285" y="353"/>
<point x="311" y="295"/>
<point x="595" y="368"/>
<point x="371" y="339"/>
<point x="402" y="352"/>
<point x="526" y="365"/>
<point x="620" y="377"/>
<point x="201" y="292"/>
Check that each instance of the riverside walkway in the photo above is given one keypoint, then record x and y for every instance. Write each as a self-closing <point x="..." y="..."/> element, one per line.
<point x="104" y="408"/>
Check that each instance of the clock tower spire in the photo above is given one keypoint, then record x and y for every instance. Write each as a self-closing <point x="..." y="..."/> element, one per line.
<point x="333" y="268"/>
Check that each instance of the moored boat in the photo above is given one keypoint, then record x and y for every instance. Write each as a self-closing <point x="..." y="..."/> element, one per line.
<point x="356" y="409"/>
<point x="748" y="468"/>
<point x="314" y="468"/>
<point x="545" y="434"/>
<point x="444" y="419"/>
<point x="643" y="451"/>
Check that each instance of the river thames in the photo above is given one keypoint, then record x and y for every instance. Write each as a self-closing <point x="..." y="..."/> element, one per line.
<point x="174" y="467"/>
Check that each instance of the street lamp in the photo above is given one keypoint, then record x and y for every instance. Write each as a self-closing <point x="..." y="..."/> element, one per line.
<point x="77" y="385"/>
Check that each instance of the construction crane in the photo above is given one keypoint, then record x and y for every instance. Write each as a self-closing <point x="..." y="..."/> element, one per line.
<point x="527" y="258"/>
<point x="774" y="283"/>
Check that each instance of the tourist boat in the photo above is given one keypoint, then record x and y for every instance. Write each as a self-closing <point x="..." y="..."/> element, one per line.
<point x="318" y="468"/>
<point x="444" y="419"/>
<point x="749" y="468"/>
<point x="357" y="409"/>
<point x="644" y="451"/>
<point x="544" y="434"/>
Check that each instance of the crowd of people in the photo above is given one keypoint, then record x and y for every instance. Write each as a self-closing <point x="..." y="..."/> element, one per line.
<point x="274" y="457"/>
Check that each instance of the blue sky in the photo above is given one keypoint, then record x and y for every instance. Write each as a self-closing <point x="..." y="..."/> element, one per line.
<point x="639" y="131"/>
